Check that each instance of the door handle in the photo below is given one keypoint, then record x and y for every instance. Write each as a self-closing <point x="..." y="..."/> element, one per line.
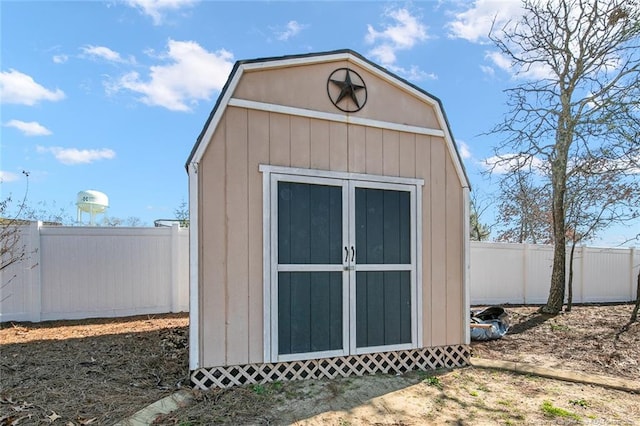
<point x="353" y="254"/>
<point x="346" y="254"/>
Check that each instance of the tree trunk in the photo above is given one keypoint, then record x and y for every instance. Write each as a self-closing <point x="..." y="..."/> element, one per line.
<point x="570" y="282"/>
<point x="558" y="273"/>
<point x="634" y="314"/>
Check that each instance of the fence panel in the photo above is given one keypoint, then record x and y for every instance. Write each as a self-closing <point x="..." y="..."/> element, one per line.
<point x="112" y="272"/>
<point x="89" y="272"/>
<point x="19" y="282"/>
<point x="521" y="273"/>
<point x="84" y="272"/>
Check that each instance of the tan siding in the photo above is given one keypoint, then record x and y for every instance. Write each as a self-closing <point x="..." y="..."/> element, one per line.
<point x="306" y="87"/>
<point x="374" y="151"/>
<point x="454" y="256"/>
<point x="213" y="259"/>
<point x="338" y="151"/>
<point x="319" y="145"/>
<point x="438" y="243"/>
<point x="423" y="170"/>
<point x="279" y="137"/>
<point x="301" y="86"/>
<point x="407" y="154"/>
<point x="300" y="142"/>
<point x="357" y="149"/>
<point x="258" y="154"/>
<point x="237" y="238"/>
<point x="390" y="153"/>
<point x="231" y="205"/>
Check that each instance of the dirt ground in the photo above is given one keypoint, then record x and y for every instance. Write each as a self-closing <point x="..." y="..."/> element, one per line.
<point x="101" y="371"/>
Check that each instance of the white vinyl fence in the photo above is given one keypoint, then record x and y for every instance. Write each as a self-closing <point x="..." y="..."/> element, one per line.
<point x="521" y="273"/>
<point x="89" y="272"/>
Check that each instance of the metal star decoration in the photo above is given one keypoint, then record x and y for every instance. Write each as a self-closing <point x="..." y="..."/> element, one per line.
<point x="348" y="89"/>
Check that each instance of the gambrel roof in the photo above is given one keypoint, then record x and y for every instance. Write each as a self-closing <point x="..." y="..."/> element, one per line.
<point x="242" y="66"/>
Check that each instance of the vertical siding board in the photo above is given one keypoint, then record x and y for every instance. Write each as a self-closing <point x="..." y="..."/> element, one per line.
<point x="213" y="260"/>
<point x="454" y="242"/>
<point x="374" y="151"/>
<point x="390" y="153"/>
<point x="319" y="147"/>
<point x="258" y="154"/>
<point x="338" y="149"/>
<point x="407" y="152"/>
<point x="279" y="140"/>
<point x="237" y="219"/>
<point x="300" y="142"/>
<point x="357" y="149"/>
<point x="438" y="243"/>
<point x="422" y="164"/>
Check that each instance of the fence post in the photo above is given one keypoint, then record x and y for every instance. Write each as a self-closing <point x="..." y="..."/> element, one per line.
<point x="525" y="272"/>
<point x="175" y="267"/>
<point x="35" y="272"/>
<point x="583" y="258"/>
<point x="632" y="276"/>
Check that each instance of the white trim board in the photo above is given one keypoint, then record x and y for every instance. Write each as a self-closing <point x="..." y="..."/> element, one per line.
<point x="340" y="118"/>
<point x="349" y="182"/>
<point x="194" y="255"/>
<point x="295" y="171"/>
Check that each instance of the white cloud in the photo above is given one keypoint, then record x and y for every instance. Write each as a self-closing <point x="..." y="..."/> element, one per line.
<point x="31" y="128"/>
<point x="534" y="71"/>
<point x="8" y="176"/>
<point x="191" y="74"/>
<point x="414" y="73"/>
<point x="499" y="60"/>
<point x="506" y="163"/>
<point x="102" y="52"/>
<point x="60" y="59"/>
<point x="19" y="88"/>
<point x="464" y="150"/>
<point x="488" y="70"/>
<point x="293" y="28"/>
<point x="71" y="156"/>
<point x="405" y="31"/>
<point x="474" y="23"/>
<point x="156" y="9"/>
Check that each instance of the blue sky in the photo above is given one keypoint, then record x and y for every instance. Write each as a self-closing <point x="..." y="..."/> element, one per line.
<point x="111" y="95"/>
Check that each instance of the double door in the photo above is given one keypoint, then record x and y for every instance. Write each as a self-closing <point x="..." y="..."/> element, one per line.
<point x="344" y="266"/>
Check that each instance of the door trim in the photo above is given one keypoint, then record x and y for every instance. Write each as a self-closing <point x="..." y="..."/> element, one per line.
<point x="273" y="174"/>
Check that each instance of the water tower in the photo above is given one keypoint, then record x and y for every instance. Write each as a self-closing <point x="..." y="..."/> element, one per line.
<point x="92" y="202"/>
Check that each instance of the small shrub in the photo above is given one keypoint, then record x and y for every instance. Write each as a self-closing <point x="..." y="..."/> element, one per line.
<point x="433" y="381"/>
<point x="580" y="402"/>
<point x="259" y="389"/>
<point x="550" y="411"/>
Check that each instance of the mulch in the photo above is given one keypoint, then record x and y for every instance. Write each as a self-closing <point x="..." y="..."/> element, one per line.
<point x="90" y="371"/>
<point x="101" y="371"/>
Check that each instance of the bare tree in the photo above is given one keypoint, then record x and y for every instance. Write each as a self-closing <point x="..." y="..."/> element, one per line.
<point x="11" y="249"/>
<point x="49" y="213"/>
<point x="182" y="214"/>
<point x="478" y="231"/>
<point x="596" y="198"/>
<point x="524" y="209"/>
<point x="583" y="102"/>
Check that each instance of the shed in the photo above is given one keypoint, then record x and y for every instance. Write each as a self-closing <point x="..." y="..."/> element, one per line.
<point x="329" y="226"/>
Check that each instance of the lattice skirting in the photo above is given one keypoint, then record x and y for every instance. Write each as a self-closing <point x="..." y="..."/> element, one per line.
<point x="358" y="365"/>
